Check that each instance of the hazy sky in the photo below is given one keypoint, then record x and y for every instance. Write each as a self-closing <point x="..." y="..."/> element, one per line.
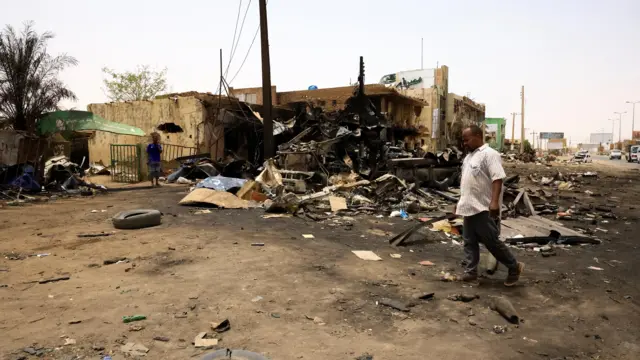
<point x="579" y="60"/>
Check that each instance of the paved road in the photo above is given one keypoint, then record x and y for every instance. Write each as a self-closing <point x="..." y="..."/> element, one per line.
<point x="603" y="159"/>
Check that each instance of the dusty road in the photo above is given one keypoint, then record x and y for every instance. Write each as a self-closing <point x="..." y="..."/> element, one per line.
<point x="604" y="160"/>
<point x="197" y="269"/>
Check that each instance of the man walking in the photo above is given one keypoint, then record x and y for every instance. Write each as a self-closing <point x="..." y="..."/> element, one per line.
<point x="480" y="202"/>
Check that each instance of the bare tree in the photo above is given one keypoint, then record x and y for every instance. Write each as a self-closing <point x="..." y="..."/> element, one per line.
<point x="29" y="83"/>
<point x="141" y="84"/>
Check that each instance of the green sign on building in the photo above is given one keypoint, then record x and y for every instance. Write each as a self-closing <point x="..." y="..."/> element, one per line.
<point x="494" y="132"/>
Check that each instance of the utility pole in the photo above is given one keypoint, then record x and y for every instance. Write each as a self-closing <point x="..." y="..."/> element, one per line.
<point x="422" y="53"/>
<point x="620" y="128"/>
<point x="533" y="134"/>
<point x="522" y="125"/>
<point x="633" y="116"/>
<point x="513" y="128"/>
<point x="267" y="119"/>
<point x="613" y="129"/>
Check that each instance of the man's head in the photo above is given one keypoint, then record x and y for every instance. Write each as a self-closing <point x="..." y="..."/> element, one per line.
<point x="472" y="137"/>
<point x="155" y="137"/>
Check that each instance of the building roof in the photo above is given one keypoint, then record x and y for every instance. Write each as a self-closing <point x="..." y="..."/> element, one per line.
<point x="345" y="92"/>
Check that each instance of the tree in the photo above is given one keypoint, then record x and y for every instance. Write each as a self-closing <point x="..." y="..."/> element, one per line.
<point x="29" y="83"/>
<point x="141" y="84"/>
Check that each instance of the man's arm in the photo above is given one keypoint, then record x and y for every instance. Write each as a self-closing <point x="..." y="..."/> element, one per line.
<point x="496" y="173"/>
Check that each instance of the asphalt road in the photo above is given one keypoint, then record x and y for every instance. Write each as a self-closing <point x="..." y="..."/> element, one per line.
<point x="603" y="159"/>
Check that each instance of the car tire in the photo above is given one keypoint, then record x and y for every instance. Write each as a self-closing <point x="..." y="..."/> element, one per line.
<point x="137" y="219"/>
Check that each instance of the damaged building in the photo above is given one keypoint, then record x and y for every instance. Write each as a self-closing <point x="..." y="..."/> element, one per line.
<point x="445" y="114"/>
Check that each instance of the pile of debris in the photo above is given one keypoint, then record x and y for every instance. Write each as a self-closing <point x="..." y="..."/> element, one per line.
<point x="328" y="161"/>
<point x="59" y="175"/>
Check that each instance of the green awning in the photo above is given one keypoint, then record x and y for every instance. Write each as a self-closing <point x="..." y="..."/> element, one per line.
<point x="65" y="121"/>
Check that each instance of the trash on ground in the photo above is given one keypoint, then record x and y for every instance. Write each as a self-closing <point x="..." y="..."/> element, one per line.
<point x="595" y="268"/>
<point x="133" y="349"/>
<point x="366" y="255"/>
<point x="398" y="305"/>
<point x="448" y="277"/>
<point x="337" y="203"/>
<point x="499" y="329"/>
<point x="504" y="308"/>
<point x="202" y="211"/>
<point x="222" y="326"/>
<point x="221" y="199"/>
<point x="62" y="278"/>
<point x="308" y="236"/>
<point x="395" y="256"/>
<point x="201" y="341"/>
<point x="136" y="327"/>
<point x="128" y="319"/>
<point x="426" y="263"/>
<point x="69" y="341"/>
<point x="463" y="297"/>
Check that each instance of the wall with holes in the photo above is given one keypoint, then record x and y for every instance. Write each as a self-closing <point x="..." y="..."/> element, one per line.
<point x="183" y="112"/>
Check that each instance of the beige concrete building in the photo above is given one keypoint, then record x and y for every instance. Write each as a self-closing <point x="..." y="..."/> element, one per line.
<point x="188" y="123"/>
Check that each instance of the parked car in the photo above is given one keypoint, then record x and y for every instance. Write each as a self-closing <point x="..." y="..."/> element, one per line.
<point x="615" y="154"/>
<point x="582" y="156"/>
<point x="632" y="156"/>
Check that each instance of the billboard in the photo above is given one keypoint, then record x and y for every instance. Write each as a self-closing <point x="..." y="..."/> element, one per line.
<point x="551" y="135"/>
<point x="601" y="138"/>
<point x="413" y="79"/>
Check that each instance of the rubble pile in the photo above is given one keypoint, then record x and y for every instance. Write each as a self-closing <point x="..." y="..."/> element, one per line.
<point x="324" y="156"/>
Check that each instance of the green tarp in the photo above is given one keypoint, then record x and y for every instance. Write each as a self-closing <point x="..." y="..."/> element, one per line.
<point x="65" y="121"/>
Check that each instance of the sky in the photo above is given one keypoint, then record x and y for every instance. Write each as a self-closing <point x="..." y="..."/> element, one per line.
<point x="579" y="60"/>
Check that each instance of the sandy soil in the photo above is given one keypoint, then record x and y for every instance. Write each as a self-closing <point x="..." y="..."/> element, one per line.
<point x="197" y="269"/>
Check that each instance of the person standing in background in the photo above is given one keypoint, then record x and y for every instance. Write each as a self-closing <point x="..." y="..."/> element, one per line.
<point x="479" y="204"/>
<point x="153" y="154"/>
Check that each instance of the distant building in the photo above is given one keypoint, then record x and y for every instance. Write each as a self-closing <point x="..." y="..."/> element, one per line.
<point x="494" y="132"/>
<point x="601" y="138"/>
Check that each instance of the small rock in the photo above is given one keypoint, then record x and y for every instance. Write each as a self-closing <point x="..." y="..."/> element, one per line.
<point x="136" y="327"/>
<point x="161" y="338"/>
<point x="98" y="348"/>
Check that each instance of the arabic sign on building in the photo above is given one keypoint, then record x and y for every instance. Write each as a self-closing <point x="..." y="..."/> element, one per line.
<point x="491" y="129"/>
<point x="414" y="79"/>
<point x="551" y="135"/>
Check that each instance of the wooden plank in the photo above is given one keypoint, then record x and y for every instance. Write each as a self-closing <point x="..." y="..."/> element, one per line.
<point x="529" y="205"/>
<point x="517" y="199"/>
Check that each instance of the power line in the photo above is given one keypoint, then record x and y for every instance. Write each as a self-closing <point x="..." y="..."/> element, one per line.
<point x="246" y="56"/>
<point x="233" y="41"/>
<point x="235" y="47"/>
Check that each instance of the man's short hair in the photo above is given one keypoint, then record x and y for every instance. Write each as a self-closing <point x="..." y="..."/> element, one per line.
<point x="475" y="130"/>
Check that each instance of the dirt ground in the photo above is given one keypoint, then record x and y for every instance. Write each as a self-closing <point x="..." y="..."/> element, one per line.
<point x="195" y="269"/>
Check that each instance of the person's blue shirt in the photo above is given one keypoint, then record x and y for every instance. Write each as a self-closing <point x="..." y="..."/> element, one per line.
<point x="154" y="151"/>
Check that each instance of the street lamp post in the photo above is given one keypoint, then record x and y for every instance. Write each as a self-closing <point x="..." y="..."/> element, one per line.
<point x="620" y="127"/>
<point x="633" y="116"/>
<point x="613" y="129"/>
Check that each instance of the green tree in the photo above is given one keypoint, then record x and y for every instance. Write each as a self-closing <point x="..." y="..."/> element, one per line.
<point x="29" y="83"/>
<point x="141" y="84"/>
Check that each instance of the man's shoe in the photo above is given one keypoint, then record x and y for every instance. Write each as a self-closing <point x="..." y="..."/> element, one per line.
<point x="514" y="276"/>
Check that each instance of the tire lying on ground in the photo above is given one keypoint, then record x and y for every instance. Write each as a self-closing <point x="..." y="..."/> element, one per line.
<point x="137" y="219"/>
